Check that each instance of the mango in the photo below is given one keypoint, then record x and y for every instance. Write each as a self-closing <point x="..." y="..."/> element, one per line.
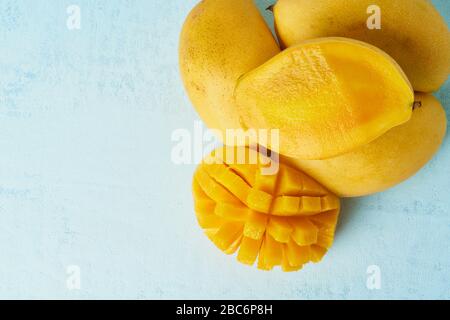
<point x="220" y="41"/>
<point x="388" y="160"/>
<point x="326" y="96"/>
<point x="411" y="31"/>
<point x="282" y="234"/>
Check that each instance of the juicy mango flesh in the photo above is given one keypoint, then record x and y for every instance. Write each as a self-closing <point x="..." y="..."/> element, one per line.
<point x="387" y="161"/>
<point x="220" y="41"/>
<point x="286" y="219"/>
<point x="411" y="31"/>
<point x="326" y="96"/>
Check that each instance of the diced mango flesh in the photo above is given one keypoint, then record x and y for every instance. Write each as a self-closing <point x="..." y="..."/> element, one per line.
<point x="305" y="232"/>
<point x="259" y="200"/>
<point x="280" y="229"/>
<point x="227" y="235"/>
<point x="231" y="212"/>
<point x="285" y="220"/>
<point x="210" y="221"/>
<point x="317" y="253"/>
<point x="249" y="250"/>
<point x="297" y="255"/>
<point x="255" y="226"/>
<point x="286" y="265"/>
<point x="273" y="251"/>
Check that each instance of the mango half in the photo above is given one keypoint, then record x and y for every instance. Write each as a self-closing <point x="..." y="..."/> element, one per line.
<point x="220" y="41"/>
<point x="286" y="219"/>
<point x="411" y="31"/>
<point x="327" y="97"/>
<point x="388" y="160"/>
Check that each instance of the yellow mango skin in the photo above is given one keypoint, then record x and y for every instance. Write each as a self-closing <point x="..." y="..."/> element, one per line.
<point x="412" y="32"/>
<point x="326" y="96"/>
<point x="387" y="161"/>
<point x="288" y="236"/>
<point x="220" y="41"/>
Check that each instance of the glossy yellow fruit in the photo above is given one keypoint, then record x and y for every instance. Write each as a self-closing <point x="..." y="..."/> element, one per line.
<point x="387" y="161"/>
<point x="220" y="41"/>
<point x="286" y="219"/>
<point x="412" y="31"/>
<point x="326" y="96"/>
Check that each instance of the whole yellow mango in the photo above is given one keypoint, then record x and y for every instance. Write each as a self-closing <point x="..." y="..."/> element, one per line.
<point x="326" y="96"/>
<point x="411" y="31"/>
<point x="387" y="161"/>
<point x="220" y="41"/>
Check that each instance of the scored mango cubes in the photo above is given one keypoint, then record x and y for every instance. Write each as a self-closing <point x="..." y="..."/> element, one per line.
<point x="286" y="219"/>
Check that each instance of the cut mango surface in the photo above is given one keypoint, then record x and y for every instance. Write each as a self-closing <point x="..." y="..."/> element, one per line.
<point x="326" y="97"/>
<point x="285" y="220"/>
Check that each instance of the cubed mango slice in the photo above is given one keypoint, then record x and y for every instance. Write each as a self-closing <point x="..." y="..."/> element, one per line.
<point x="286" y="219"/>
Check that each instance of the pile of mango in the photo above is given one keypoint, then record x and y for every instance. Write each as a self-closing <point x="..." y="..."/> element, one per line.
<point x="352" y="103"/>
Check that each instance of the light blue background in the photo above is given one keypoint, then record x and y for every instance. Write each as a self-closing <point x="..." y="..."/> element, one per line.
<point x="86" y="178"/>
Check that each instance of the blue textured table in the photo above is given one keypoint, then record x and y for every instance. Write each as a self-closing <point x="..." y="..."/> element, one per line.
<point x="87" y="186"/>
